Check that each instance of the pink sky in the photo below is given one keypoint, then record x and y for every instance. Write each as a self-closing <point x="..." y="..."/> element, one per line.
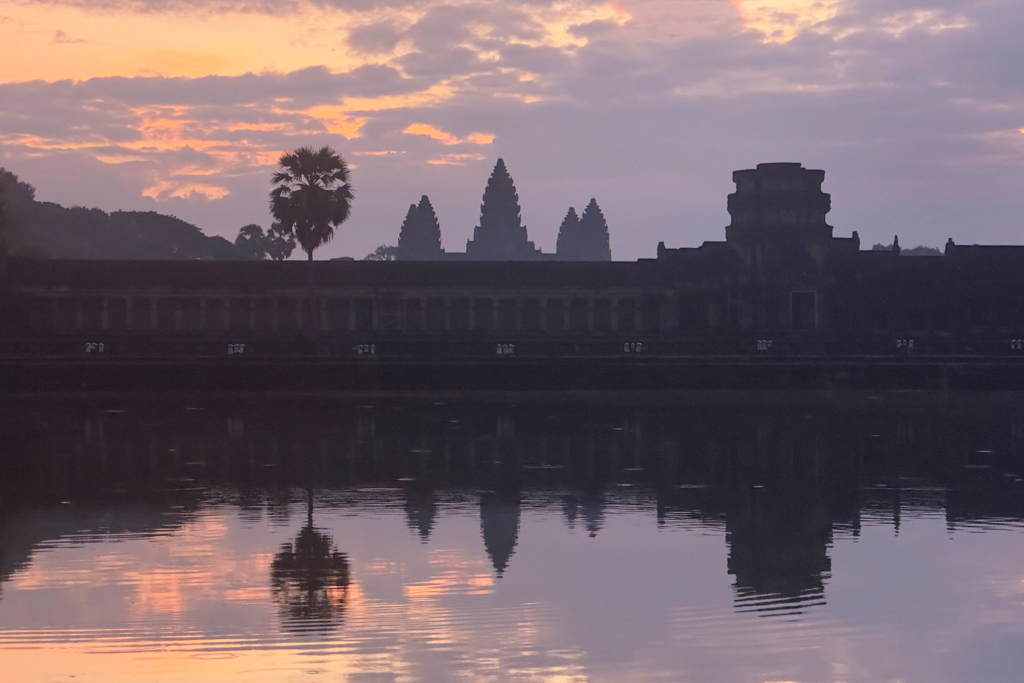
<point x="914" y="109"/>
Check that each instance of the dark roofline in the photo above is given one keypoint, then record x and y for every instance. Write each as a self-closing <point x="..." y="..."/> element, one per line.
<point x="292" y="274"/>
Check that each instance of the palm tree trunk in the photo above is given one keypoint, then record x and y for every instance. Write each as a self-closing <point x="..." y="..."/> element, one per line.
<point x="309" y="505"/>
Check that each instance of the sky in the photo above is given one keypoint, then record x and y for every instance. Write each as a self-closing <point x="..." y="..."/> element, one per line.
<point x="914" y="109"/>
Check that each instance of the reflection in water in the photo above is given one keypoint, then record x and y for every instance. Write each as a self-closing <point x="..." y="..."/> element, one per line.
<point x="421" y="511"/>
<point x="590" y="504"/>
<point x="499" y="525"/>
<point x="310" y="579"/>
<point x="781" y="476"/>
<point x="778" y="552"/>
<point x="592" y="508"/>
<point x="634" y="536"/>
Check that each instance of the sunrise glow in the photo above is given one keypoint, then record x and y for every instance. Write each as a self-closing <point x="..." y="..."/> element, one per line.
<point x="191" y="103"/>
<point x="782" y="20"/>
<point x="445" y="137"/>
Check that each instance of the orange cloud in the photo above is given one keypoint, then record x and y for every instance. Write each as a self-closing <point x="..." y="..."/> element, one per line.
<point x="447" y="138"/>
<point x="337" y="120"/>
<point x="455" y="159"/>
<point x="118" y="158"/>
<point x="166" y="189"/>
<point x="782" y="20"/>
<point x="179" y="43"/>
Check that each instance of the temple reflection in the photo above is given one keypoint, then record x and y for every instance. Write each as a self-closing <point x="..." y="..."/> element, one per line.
<point x="779" y="476"/>
<point x="588" y="504"/>
<point x="778" y="551"/>
<point x="499" y="526"/>
<point x="420" y="510"/>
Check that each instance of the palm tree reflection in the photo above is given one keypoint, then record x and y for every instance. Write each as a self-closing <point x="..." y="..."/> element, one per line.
<point x="310" y="579"/>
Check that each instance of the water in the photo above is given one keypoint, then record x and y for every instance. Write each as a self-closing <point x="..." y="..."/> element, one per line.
<point x="719" y="537"/>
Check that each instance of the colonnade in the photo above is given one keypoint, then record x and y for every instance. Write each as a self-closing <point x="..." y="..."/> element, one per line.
<point x="383" y="313"/>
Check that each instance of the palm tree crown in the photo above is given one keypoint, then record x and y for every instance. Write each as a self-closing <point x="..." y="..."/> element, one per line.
<point x="311" y="195"/>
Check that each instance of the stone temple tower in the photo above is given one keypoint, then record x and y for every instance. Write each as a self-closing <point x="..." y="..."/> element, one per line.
<point x="501" y="235"/>
<point x="778" y="208"/>
<point x="420" y="236"/>
<point x="584" y="238"/>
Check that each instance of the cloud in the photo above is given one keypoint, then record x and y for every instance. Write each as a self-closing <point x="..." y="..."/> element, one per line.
<point x="593" y="29"/>
<point x="166" y="189"/>
<point x="379" y="37"/>
<point x="913" y="109"/>
<point x="782" y="20"/>
<point x="455" y="159"/>
<point x="270" y="7"/>
<point x="447" y="138"/>
<point x="62" y="38"/>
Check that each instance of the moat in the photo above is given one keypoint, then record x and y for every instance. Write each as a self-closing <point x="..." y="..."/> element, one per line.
<point x="833" y="536"/>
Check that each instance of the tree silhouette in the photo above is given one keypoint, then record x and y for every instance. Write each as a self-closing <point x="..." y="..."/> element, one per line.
<point x="48" y="230"/>
<point x="311" y="196"/>
<point x="383" y="253"/>
<point x="420" y="237"/>
<point x="280" y="244"/>
<point x="3" y="226"/>
<point x="276" y="245"/>
<point x="310" y="578"/>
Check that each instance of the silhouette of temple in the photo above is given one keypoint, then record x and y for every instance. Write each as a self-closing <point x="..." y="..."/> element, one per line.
<point x="501" y="235"/>
<point x="780" y="289"/>
<point x="420" y="236"/>
<point x="584" y="238"/>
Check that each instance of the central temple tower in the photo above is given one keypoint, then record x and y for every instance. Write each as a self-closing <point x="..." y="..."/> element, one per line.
<point x="501" y="235"/>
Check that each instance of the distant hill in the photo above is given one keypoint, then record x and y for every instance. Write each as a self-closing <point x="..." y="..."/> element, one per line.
<point x="48" y="230"/>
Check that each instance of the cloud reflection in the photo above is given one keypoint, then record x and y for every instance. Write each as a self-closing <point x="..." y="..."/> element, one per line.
<point x="691" y="521"/>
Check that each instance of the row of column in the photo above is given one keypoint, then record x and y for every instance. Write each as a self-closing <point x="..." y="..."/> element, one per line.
<point x="540" y="314"/>
<point x="384" y="314"/>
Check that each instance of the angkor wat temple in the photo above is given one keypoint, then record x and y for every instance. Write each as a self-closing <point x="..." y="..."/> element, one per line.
<point x="780" y="301"/>
<point x="501" y="235"/>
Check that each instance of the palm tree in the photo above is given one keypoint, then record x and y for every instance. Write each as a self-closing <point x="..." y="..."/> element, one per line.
<point x="311" y="195"/>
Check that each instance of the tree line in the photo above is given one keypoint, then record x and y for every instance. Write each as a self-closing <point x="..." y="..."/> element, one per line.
<point x="311" y="196"/>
